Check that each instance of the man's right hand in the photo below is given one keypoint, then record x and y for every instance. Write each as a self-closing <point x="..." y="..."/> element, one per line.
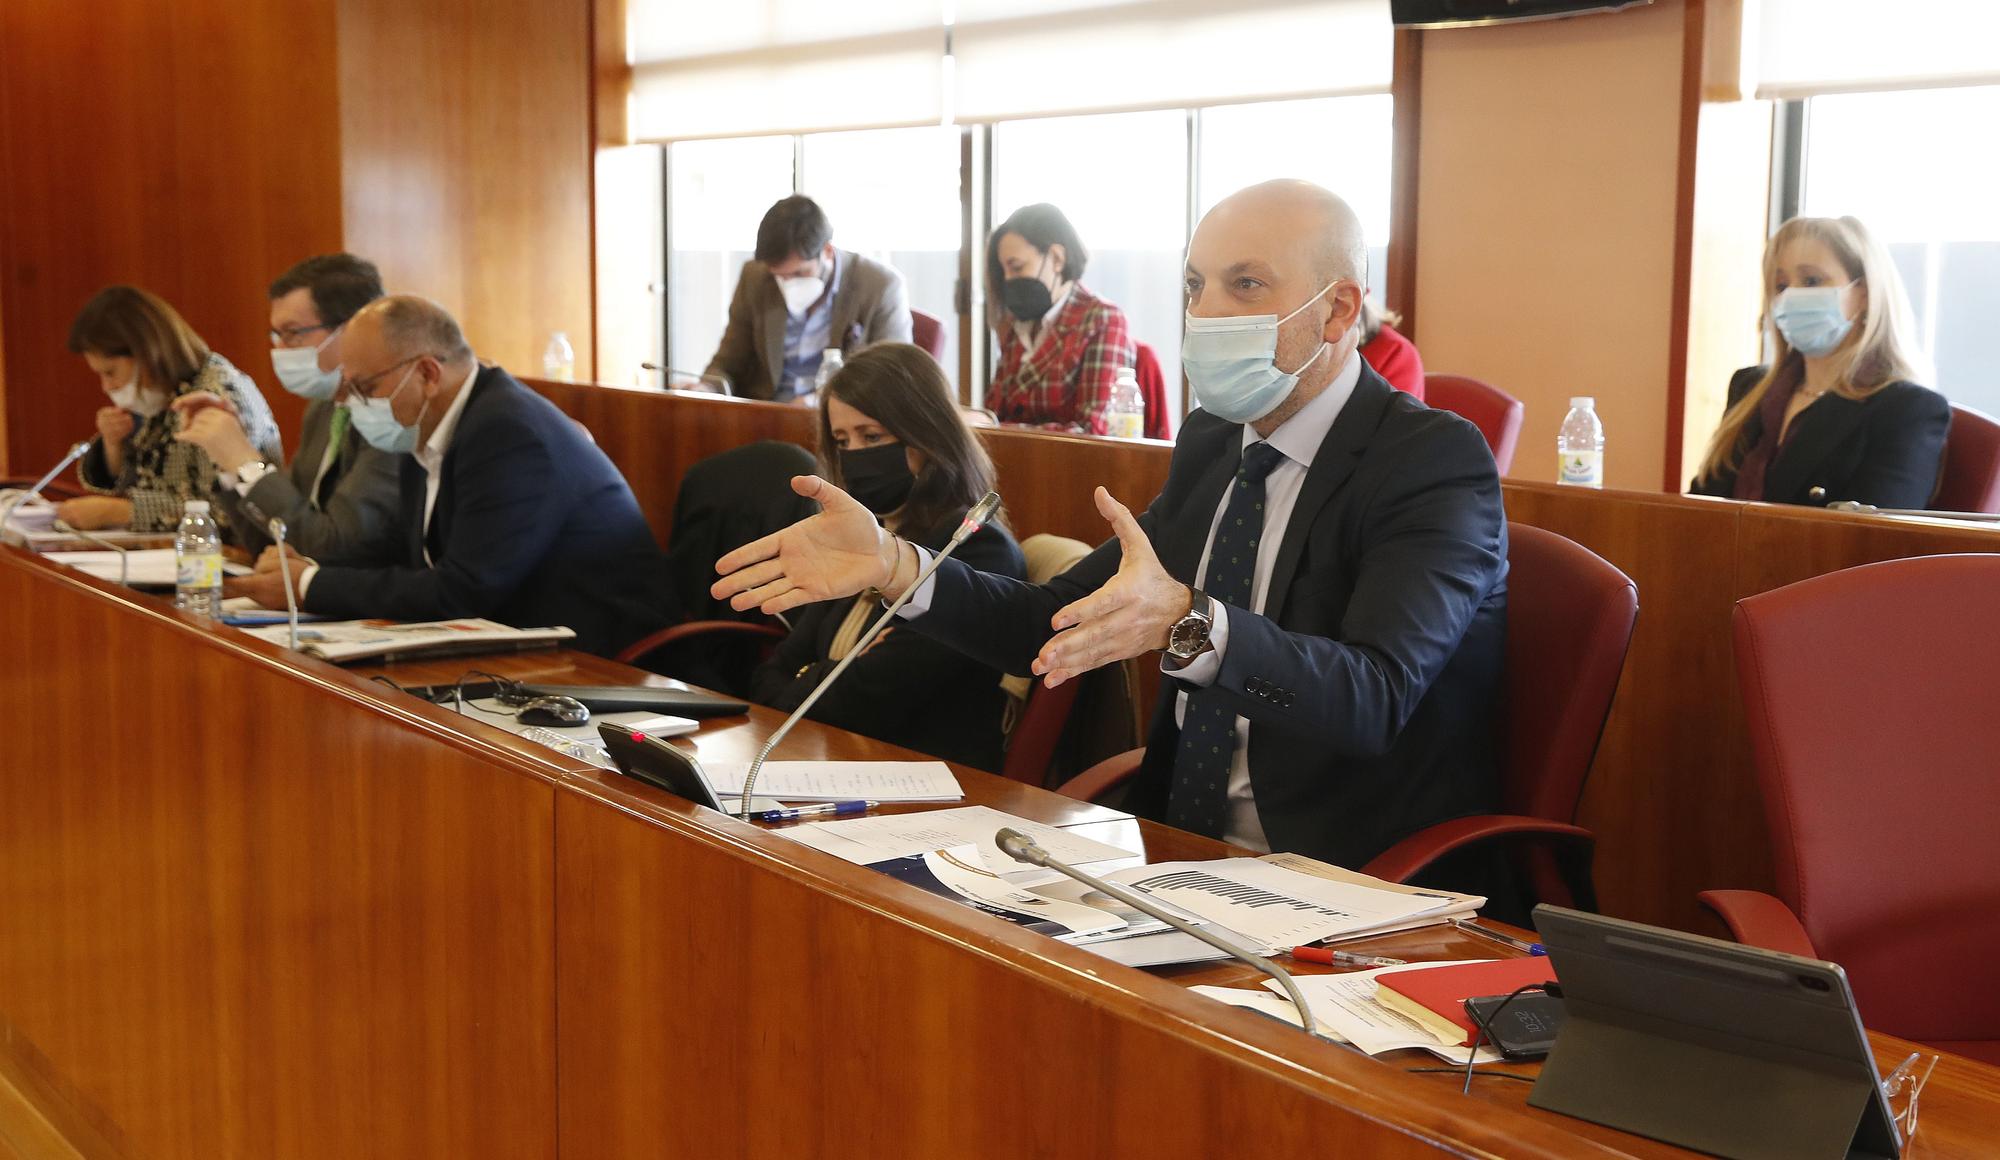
<point x="837" y="553"/>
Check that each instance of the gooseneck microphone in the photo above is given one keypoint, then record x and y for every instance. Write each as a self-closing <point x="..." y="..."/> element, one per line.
<point x="973" y="521"/>
<point x="124" y="560"/>
<point x="1022" y="848"/>
<point x="276" y="527"/>
<point x="667" y="374"/>
<point x="75" y="453"/>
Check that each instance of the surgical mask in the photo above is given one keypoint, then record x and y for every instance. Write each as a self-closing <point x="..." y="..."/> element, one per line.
<point x="375" y="419"/>
<point x="1810" y="319"/>
<point x="144" y="404"/>
<point x="1028" y="299"/>
<point x="878" y="477"/>
<point x="1232" y="363"/>
<point x="298" y="371"/>
<point x="801" y="293"/>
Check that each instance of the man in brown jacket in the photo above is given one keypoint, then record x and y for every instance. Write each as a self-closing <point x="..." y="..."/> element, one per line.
<point x="798" y="297"/>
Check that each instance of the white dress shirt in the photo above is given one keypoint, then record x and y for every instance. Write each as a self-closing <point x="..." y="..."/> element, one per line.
<point x="1298" y="439"/>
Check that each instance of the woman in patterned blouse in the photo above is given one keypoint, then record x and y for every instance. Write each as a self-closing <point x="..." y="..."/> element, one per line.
<point x="144" y="356"/>
<point x="1060" y="345"/>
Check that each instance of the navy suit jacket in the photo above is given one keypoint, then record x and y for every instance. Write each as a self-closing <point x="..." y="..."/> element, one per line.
<point x="1371" y="679"/>
<point x="533" y="526"/>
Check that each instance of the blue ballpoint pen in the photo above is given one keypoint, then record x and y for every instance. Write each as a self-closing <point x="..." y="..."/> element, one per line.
<point x="824" y="809"/>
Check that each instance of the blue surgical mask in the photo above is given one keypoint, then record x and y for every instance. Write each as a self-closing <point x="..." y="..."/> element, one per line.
<point x="376" y="419"/>
<point x="298" y="371"/>
<point x="1232" y="363"/>
<point x="1811" y="320"/>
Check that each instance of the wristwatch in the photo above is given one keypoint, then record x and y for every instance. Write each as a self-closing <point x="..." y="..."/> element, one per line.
<point x="1188" y="638"/>
<point x="248" y="475"/>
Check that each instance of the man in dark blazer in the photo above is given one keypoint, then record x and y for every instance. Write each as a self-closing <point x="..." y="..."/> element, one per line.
<point x="797" y="297"/>
<point x="512" y="512"/>
<point x="1335" y="689"/>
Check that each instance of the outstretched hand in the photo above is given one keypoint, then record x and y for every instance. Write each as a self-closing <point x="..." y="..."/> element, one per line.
<point x="837" y="553"/>
<point x="1127" y="617"/>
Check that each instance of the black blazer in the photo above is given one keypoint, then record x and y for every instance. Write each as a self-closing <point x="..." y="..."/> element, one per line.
<point x="533" y="526"/>
<point x="1371" y="681"/>
<point x="907" y="689"/>
<point x="1886" y="449"/>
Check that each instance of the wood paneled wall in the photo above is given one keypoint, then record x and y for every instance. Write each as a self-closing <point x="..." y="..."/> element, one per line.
<point x="190" y="148"/>
<point x="465" y="150"/>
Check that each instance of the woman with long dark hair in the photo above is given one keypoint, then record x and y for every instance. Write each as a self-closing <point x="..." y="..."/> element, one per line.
<point x="891" y="437"/>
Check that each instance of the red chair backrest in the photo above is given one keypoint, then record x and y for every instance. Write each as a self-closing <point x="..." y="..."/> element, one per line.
<point x="1869" y="698"/>
<point x="1569" y="622"/>
<point x="1153" y="389"/>
<point x="928" y="333"/>
<point x="1970" y="481"/>
<point x="1496" y="413"/>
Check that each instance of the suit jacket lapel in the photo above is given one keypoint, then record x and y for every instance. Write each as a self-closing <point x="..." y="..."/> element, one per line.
<point x="414" y="482"/>
<point x="772" y="318"/>
<point x="840" y="315"/>
<point x="1815" y="432"/>
<point x="1331" y="465"/>
<point x="1180" y="547"/>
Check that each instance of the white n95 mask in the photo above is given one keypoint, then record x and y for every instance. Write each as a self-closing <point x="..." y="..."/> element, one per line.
<point x="800" y="293"/>
<point x="1232" y="363"/>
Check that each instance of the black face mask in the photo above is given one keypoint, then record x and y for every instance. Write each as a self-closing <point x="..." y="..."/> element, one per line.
<point x="1027" y="299"/>
<point x="878" y="477"/>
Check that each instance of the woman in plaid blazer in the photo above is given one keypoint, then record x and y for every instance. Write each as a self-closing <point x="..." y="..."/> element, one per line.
<point x="1060" y="345"/>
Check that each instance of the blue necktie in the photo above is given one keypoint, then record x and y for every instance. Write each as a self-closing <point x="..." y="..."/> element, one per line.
<point x="1199" y="799"/>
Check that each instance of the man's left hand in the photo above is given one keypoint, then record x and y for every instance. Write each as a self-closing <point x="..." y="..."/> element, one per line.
<point x="1128" y="617"/>
<point x="266" y="588"/>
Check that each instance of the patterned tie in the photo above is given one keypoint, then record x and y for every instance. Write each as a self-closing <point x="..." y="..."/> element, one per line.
<point x="1199" y="799"/>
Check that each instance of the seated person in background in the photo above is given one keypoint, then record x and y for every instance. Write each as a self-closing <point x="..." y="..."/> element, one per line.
<point x="1837" y="415"/>
<point x="510" y="511"/>
<point x="1060" y="345"/>
<point x="144" y="356"/>
<point x="339" y="497"/>
<point x="1394" y="357"/>
<point x="798" y="296"/>
<point x="890" y="434"/>
<point x="1327" y="563"/>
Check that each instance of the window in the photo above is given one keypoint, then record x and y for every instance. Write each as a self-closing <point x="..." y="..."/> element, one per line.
<point x="1122" y="180"/>
<point x="717" y="193"/>
<point x="1342" y="143"/>
<point x="1904" y="164"/>
<point x="892" y="194"/>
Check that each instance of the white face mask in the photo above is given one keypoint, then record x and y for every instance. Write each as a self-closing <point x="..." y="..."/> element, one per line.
<point x="298" y="370"/>
<point x="800" y="293"/>
<point x="144" y="404"/>
<point x="1231" y="362"/>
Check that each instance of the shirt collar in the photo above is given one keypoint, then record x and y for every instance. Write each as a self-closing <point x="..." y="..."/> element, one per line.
<point x="432" y="453"/>
<point x="1298" y="438"/>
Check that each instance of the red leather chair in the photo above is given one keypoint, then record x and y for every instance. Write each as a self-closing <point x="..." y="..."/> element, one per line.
<point x="1569" y="622"/>
<point x="651" y="643"/>
<point x="1031" y="746"/>
<point x="1970" y="481"/>
<point x="1869" y="697"/>
<point x="1153" y="390"/>
<point x="1497" y="414"/>
<point x="927" y="332"/>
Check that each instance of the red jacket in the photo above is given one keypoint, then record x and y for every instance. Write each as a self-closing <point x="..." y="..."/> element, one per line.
<point x="1395" y="358"/>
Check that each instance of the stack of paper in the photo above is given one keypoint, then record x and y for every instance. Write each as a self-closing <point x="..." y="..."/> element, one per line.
<point x="879" y="838"/>
<point x="1450" y="905"/>
<point x="139" y="567"/>
<point x="355" y="640"/>
<point x="842" y="781"/>
<point x="1346" y="1008"/>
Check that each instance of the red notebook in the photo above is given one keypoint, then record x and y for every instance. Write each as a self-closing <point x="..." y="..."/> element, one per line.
<point x="1435" y="996"/>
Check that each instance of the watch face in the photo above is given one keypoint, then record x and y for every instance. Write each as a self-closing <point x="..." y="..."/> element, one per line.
<point x="1188" y="636"/>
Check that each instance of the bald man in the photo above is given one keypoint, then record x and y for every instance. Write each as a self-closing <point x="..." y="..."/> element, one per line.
<point x="511" y="512"/>
<point x="1324" y="572"/>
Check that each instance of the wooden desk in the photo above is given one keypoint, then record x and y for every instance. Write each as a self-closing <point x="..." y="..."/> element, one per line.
<point x="258" y="906"/>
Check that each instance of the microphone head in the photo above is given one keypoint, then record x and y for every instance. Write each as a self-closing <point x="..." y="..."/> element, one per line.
<point x="276" y="527"/>
<point x="980" y="513"/>
<point x="1020" y="847"/>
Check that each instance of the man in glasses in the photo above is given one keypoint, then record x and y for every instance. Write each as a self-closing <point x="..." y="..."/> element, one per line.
<point x="509" y="511"/>
<point x="338" y="496"/>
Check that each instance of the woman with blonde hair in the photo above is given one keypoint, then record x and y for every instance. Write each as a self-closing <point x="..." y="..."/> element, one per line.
<point x="1837" y="415"/>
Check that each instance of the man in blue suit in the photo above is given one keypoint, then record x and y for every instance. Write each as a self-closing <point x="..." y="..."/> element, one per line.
<point x="512" y="511"/>
<point x="1324" y="572"/>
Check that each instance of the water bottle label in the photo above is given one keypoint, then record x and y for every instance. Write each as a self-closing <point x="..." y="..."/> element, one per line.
<point x="1124" y="425"/>
<point x="1582" y="469"/>
<point x="199" y="572"/>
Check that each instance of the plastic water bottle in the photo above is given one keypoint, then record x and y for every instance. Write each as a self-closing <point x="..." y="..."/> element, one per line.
<point x="559" y="359"/>
<point x="830" y="362"/>
<point x="198" y="562"/>
<point x="1580" y="445"/>
<point x="1126" y="418"/>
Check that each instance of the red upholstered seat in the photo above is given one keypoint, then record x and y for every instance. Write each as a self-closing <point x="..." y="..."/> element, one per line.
<point x="1153" y="390"/>
<point x="927" y="332"/>
<point x="1971" y="478"/>
<point x="1869" y="695"/>
<point x="1497" y="414"/>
